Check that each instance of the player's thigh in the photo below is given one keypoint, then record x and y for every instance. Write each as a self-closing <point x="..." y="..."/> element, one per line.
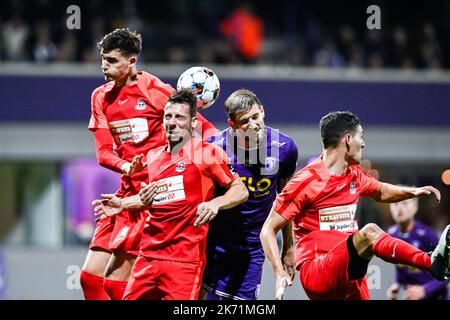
<point x="143" y="284"/>
<point x="96" y="261"/>
<point x="119" y="266"/>
<point x="181" y="280"/>
<point x="325" y="277"/>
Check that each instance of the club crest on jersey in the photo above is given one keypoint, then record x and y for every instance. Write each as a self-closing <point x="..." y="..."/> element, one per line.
<point x="352" y="187"/>
<point x="180" y="167"/>
<point x="140" y="104"/>
<point x="270" y="163"/>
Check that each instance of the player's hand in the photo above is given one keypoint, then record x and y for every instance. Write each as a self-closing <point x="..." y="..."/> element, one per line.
<point x="288" y="260"/>
<point x="137" y="165"/>
<point x="206" y="211"/>
<point x="147" y="193"/>
<point x="415" y="292"/>
<point x="392" y="292"/>
<point x="428" y="190"/>
<point x="281" y="282"/>
<point x="108" y="206"/>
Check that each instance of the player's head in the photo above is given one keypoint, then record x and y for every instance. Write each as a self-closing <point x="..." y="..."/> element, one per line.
<point x="119" y="51"/>
<point x="404" y="211"/>
<point x="342" y="129"/>
<point x="245" y="113"/>
<point x="180" y="116"/>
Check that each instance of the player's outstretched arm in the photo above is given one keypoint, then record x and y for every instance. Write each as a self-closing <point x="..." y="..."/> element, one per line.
<point x="111" y="205"/>
<point x="235" y="195"/>
<point x="136" y="165"/>
<point x="104" y="151"/>
<point x="392" y="193"/>
<point x="272" y="225"/>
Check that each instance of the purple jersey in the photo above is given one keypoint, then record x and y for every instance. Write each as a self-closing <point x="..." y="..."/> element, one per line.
<point x="260" y="170"/>
<point x="425" y="239"/>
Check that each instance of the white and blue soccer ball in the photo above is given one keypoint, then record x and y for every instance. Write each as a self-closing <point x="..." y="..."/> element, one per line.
<point x="203" y="82"/>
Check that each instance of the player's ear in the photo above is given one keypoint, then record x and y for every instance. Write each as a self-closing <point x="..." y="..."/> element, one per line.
<point x="232" y="124"/>
<point x="194" y="122"/>
<point x="261" y="107"/>
<point x="132" y="61"/>
<point x="347" y="139"/>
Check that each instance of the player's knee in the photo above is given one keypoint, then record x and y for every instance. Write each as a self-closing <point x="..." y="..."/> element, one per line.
<point x="370" y="232"/>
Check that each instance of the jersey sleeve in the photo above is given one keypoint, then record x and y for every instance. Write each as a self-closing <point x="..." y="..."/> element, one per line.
<point x="289" y="164"/>
<point x="105" y="151"/>
<point x="218" y="167"/>
<point x="368" y="184"/>
<point x="295" y="195"/>
<point x="98" y="118"/>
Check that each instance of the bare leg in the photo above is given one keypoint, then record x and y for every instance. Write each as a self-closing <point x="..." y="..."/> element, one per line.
<point x="96" y="262"/>
<point x="117" y="273"/>
<point x="91" y="275"/>
<point x="119" y="266"/>
<point x="364" y="239"/>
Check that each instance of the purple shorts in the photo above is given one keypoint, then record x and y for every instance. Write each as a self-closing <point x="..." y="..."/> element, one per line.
<point x="233" y="271"/>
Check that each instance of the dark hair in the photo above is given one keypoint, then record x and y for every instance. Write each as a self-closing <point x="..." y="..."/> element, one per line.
<point x="185" y="96"/>
<point x="128" y="42"/>
<point x="335" y="125"/>
<point x="240" y="102"/>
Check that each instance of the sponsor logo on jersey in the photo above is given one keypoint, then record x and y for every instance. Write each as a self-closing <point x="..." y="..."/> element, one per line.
<point x="129" y="130"/>
<point x="338" y="188"/>
<point x="341" y="218"/>
<point x="169" y="190"/>
<point x="121" y="102"/>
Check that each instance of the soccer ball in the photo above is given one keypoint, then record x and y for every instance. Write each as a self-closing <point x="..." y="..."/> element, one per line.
<point x="203" y="82"/>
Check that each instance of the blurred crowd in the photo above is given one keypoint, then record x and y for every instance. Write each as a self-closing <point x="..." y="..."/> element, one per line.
<point x="413" y="34"/>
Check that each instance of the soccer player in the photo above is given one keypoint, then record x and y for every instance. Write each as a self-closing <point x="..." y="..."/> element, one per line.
<point x="265" y="159"/>
<point x="181" y="202"/>
<point x="418" y="284"/>
<point x="126" y="120"/>
<point x="332" y="255"/>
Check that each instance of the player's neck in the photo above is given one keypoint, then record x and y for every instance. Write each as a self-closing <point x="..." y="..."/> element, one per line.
<point x="406" y="226"/>
<point x="175" y="147"/>
<point x="129" y="80"/>
<point x="334" y="162"/>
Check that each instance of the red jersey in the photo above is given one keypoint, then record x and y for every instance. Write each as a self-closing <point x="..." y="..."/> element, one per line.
<point x="133" y="114"/>
<point x="184" y="181"/>
<point x="316" y="200"/>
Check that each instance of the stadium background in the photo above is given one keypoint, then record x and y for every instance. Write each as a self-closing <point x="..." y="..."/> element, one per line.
<point x="314" y="57"/>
